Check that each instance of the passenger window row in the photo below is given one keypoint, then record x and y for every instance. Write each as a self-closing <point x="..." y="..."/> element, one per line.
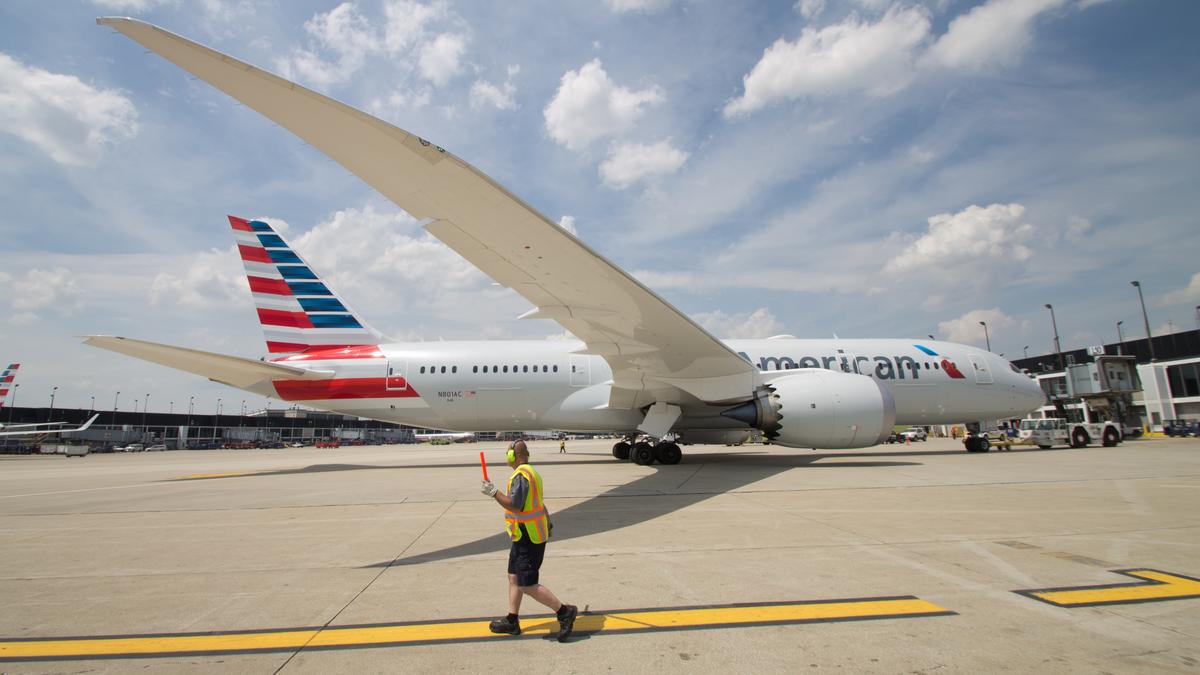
<point x="433" y="370"/>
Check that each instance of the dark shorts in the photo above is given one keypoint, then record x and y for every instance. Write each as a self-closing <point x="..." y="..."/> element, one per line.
<point x="525" y="559"/>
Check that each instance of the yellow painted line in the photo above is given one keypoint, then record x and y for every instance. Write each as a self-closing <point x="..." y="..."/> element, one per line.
<point x="1155" y="587"/>
<point x="463" y="630"/>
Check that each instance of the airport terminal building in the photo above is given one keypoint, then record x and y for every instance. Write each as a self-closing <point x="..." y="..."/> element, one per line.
<point x="183" y="430"/>
<point x="1170" y="382"/>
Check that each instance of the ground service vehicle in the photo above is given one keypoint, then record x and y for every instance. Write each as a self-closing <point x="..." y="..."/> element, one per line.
<point x="914" y="434"/>
<point x="1181" y="428"/>
<point x="1051" y="431"/>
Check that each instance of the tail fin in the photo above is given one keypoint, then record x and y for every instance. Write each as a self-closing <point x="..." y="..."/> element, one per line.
<point x="6" y="378"/>
<point x="297" y="310"/>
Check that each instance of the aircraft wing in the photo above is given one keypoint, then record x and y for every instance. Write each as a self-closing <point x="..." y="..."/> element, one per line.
<point x="232" y="370"/>
<point x="47" y="432"/>
<point x="649" y="344"/>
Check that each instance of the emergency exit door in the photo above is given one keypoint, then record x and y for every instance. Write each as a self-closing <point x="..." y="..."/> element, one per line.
<point x="983" y="375"/>
<point x="395" y="379"/>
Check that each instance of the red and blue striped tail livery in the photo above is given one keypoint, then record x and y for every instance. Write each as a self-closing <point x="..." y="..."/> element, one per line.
<point x="297" y="310"/>
<point x="6" y="377"/>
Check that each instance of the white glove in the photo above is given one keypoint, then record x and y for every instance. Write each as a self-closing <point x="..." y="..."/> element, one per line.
<point x="488" y="488"/>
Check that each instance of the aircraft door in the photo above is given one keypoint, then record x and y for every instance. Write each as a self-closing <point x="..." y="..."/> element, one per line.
<point x="983" y="375"/>
<point x="579" y="371"/>
<point x="395" y="379"/>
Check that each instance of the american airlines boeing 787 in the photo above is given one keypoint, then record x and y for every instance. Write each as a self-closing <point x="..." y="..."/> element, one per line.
<point x="639" y="368"/>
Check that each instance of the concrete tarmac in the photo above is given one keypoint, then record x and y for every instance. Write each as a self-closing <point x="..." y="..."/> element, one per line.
<point x="201" y="542"/>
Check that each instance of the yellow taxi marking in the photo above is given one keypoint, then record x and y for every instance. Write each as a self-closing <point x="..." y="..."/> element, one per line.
<point x="1155" y="587"/>
<point x="463" y="630"/>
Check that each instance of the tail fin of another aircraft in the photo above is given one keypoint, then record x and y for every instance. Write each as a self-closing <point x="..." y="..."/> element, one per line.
<point x="297" y="310"/>
<point x="6" y="378"/>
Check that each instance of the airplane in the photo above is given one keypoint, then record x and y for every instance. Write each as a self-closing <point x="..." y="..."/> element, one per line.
<point x="453" y="437"/>
<point x="36" y="429"/>
<point x="640" y="368"/>
<point x="6" y="378"/>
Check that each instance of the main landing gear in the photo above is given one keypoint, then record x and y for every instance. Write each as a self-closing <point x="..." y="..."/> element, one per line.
<point x="645" y="452"/>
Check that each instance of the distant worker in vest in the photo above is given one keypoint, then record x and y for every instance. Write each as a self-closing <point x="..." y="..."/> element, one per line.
<point x="562" y="446"/>
<point x="528" y="525"/>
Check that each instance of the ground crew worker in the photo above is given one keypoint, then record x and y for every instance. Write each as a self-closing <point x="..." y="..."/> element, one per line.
<point x="562" y="446"/>
<point x="528" y="525"/>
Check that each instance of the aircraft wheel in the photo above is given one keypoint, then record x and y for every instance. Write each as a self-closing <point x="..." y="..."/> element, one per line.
<point x="621" y="450"/>
<point x="667" y="453"/>
<point x="1079" y="438"/>
<point x="1111" y="438"/>
<point x="973" y="444"/>
<point x="984" y="445"/>
<point x="642" y="453"/>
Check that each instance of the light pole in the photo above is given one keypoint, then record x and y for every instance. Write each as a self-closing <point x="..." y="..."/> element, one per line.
<point x="1120" y="337"/>
<point x="1142" y="300"/>
<point x="171" y="407"/>
<point x="93" y="408"/>
<point x="1057" y="345"/>
<point x="52" y="391"/>
<point x="1026" y="348"/>
<point x="145" y="409"/>
<point x="14" y="402"/>
<point x="986" y="338"/>
<point x="218" y="408"/>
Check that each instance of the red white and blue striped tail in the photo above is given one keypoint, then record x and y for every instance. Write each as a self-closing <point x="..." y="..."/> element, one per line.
<point x="297" y="310"/>
<point x="6" y="377"/>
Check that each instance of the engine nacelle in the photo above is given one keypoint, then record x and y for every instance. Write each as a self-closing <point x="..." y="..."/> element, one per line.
<point x="818" y="408"/>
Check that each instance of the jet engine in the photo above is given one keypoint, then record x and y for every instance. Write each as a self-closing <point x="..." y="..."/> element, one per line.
<point x="818" y="408"/>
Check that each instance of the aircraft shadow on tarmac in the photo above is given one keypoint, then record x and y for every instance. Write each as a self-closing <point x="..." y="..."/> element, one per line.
<point x="660" y="493"/>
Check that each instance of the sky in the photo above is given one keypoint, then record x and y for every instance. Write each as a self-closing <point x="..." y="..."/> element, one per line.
<point x="863" y="168"/>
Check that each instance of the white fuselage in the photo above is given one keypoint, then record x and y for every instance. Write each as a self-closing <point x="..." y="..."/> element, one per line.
<point x="538" y="384"/>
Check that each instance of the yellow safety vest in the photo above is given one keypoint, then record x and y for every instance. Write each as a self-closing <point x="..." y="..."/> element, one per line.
<point x="532" y="513"/>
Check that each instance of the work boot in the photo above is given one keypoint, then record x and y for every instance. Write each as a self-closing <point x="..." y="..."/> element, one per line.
<point x="566" y="621"/>
<point x="506" y="626"/>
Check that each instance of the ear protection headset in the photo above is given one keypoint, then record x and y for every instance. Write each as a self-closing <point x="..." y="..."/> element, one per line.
<point x="512" y="455"/>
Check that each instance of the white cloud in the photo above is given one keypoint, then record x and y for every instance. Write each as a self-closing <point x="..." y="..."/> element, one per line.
<point x="568" y="223"/>
<point x="406" y="22"/>
<point x="398" y="99"/>
<point x="647" y="6"/>
<point x="996" y="33"/>
<point x="629" y="163"/>
<point x="588" y="106"/>
<point x="966" y="329"/>
<point x="968" y="244"/>
<point x="210" y="279"/>
<point x="342" y="31"/>
<point x="1077" y="228"/>
<point x="1190" y="294"/>
<point x="760" y="323"/>
<point x="68" y="119"/>
<point x="367" y="254"/>
<point x="441" y="59"/>
<point x="810" y="9"/>
<point x="46" y="289"/>
<point x="501" y="96"/>
<point x="851" y="56"/>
